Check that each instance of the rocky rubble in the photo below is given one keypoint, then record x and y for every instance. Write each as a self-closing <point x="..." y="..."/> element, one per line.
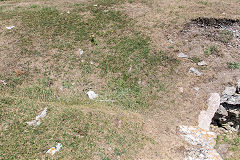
<point x="228" y="113"/>
<point x="200" y="137"/>
<point x="223" y="112"/>
<point x="204" y="140"/>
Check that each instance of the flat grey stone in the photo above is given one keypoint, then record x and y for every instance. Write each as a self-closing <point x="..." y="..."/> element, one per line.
<point x="195" y="71"/>
<point x="224" y="98"/>
<point x="229" y="91"/>
<point x="196" y="89"/>
<point x="221" y="110"/>
<point x="234" y="100"/>
<point x="238" y="86"/>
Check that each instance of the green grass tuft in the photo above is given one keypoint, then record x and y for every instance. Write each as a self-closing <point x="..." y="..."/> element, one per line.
<point x="233" y="65"/>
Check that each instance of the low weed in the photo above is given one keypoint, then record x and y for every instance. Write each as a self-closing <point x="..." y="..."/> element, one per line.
<point x="211" y="50"/>
<point x="195" y="59"/>
<point x="233" y="65"/>
<point x="203" y="2"/>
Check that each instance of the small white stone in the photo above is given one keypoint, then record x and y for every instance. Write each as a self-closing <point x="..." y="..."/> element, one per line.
<point x="92" y="94"/>
<point x="10" y="27"/>
<point x="139" y="81"/>
<point x="202" y="63"/>
<point x="196" y="88"/>
<point x="182" y="55"/>
<point x="80" y="51"/>
<point x="170" y="41"/>
<point x="3" y="82"/>
<point x="180" y="89"/>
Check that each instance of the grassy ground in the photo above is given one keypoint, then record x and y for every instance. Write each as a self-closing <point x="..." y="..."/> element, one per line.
<point x="113" y="50"/>
<point x="45" y="69"/>
<point x="127" y="59"/>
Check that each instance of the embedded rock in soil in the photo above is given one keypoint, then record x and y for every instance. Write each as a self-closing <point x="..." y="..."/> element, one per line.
<point x="205" y="117"/>
<point x="182" y="55"/>
<point x="195" y="71"/>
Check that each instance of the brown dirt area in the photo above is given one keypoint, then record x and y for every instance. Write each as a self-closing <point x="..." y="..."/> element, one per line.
<point x="165" y="21"/>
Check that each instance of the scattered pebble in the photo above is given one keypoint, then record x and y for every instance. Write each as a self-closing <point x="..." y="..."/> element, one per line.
<point x="182" y="55"/>
<point x="19" y="72"/>
<point x="139" y="81"/>
<point x="105" y="11"/>
<point x="95" y="5"/>
<point x="10" y="27"/>
<point x="80" y="51"/>
<point x="37" y="121"/>
<point x="170" y="41"/>
<point x="92" y="94"/>
<point x="68" y="12"/>
<point x="55" y="149"/>
<point x="3" y="82"/>
<point x="195" y="71"/>
<point x="118" y="158"/>
<point x="196" y="88"/>
<point x="130" y="69"/>
<point x="202" y="63"/>
<point x="91" y="62"/>
<point x="180" y="89"/>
